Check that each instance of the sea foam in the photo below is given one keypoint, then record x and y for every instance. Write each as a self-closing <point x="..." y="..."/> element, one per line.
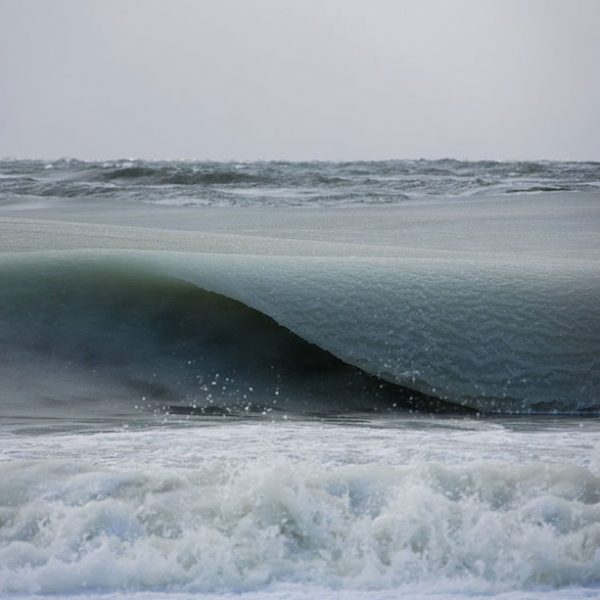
<point x="247" y="521"/>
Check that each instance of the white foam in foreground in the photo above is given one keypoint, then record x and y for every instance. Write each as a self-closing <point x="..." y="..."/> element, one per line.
<point x="454" y="507"/>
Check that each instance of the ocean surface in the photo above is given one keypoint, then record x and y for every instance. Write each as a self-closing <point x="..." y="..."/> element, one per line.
<point x="272" y="380"/>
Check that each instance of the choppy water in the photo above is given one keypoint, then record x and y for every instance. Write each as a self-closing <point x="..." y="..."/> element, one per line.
<point x="195" y="183"/>
<point x="367" y="508"/>
<point x="294" y="380"/>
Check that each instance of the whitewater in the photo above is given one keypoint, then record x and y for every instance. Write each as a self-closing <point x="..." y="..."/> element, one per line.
<point x="267" y="380"/>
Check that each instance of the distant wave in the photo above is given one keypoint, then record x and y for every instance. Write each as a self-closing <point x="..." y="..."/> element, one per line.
<point x="283" y="183"/>
<point x="178" y="176"/>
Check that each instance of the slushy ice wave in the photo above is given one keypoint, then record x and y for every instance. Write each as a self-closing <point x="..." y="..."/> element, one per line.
<point x="228" y="330"/>
<point x="241" y="518"/>
<point x="488" y="302"/>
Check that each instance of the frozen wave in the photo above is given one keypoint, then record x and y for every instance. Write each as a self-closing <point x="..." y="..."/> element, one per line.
<point x="500" y="340"/>
<point x="490" y="305"/>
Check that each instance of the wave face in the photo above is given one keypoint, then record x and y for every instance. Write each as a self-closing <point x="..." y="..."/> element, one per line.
<point x="147" y="325"/>
<point x="485" y="301"/>
<point x="83" y="337"/>
<point x="286" y="184"/>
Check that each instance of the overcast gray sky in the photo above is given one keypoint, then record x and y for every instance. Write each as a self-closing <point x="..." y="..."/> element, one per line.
<point x="283" y="79"/>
